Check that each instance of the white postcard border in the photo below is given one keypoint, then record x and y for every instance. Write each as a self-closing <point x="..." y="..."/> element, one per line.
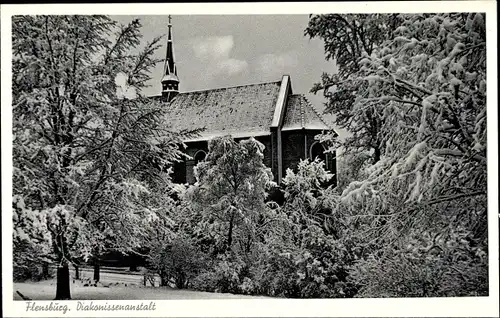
<point x="401" y="307"/>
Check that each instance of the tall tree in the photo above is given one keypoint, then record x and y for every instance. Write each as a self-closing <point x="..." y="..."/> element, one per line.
<point x="86" y="143"/>
<point x="230" y="192"/>
<point x="348" y="38"/>
<point x="425" y="201"/>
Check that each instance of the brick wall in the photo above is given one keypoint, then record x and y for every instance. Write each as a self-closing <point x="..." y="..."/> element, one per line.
<point x="293" y="149"/>
<point x="184" y="171"/>
<point x="179" y="174"/>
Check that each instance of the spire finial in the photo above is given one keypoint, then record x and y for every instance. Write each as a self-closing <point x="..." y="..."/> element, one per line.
<point x="169" y="20"/>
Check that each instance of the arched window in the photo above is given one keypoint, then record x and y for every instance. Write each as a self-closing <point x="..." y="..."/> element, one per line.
<point x="317" y="150"/>
<point x="200" y="155"/>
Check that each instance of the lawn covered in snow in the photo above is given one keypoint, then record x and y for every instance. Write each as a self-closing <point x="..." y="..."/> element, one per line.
<point x="46" y="290"/>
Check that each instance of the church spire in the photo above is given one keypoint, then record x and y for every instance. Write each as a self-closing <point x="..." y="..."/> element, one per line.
<point x="170" y="81"/>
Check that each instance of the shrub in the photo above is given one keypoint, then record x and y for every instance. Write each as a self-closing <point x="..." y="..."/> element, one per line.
<point x="180" y="261"/>
<point x="34" y="272"/>
<point x="303" y="259"/>
<point x="29" y="264"/>
<point x="225" y="276"/>
<point x="277" y="275"/>
<point x="315" y="268"/>
<point x="449" y="266"/>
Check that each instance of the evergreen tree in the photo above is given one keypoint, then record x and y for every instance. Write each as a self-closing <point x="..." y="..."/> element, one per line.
<point x="87" y="145"/>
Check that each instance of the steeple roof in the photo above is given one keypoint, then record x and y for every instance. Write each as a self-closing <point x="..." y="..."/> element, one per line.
<point x="170" y="69"/>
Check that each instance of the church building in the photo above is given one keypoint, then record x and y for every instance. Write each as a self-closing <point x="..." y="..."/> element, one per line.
<point x="286" y="123"/>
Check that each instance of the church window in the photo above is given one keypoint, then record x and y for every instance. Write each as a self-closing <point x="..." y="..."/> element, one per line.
<point x="317" y="150"/>
<point x="199" y="156"/>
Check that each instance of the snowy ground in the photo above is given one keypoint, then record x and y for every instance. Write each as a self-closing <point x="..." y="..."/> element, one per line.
<point x="113" y="286"/>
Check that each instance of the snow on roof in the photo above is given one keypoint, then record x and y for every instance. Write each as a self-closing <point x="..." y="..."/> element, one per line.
<point x="300" y="114"/>
<point x="238" y="111"/>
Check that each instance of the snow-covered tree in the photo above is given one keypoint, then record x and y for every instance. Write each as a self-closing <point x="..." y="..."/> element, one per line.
<point x="87" y="144"/>
<point x="230" y="192"/>
<point x="347" y="38"/>
<point x="427" y="194"/>
<point x="302" y="256"/>
<point x="174" y="251"/>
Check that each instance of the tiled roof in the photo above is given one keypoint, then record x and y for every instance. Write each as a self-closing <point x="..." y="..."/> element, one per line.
<point x="301" y="114"/>
<point x="240" y="111"/>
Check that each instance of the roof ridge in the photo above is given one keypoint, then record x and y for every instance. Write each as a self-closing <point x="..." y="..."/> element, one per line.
<point x="219" y="88"/>
<point x="317" y="113"/>
<point x="227" y="87"/>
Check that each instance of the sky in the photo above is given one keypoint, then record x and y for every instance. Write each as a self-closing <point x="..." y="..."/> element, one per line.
<point x="213" y="51"/>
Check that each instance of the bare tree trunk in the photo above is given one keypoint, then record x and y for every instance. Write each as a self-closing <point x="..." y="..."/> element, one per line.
<point x="163" y="280"/>
<point x="45" y="270"/>
<point x="97" y="269"/>
<point x="77" y="271"/>
<point x="63" y="282"/>
<point x="180" y="280"/>
<point x="230" y="233"/>
<point x="376" y="154"/>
